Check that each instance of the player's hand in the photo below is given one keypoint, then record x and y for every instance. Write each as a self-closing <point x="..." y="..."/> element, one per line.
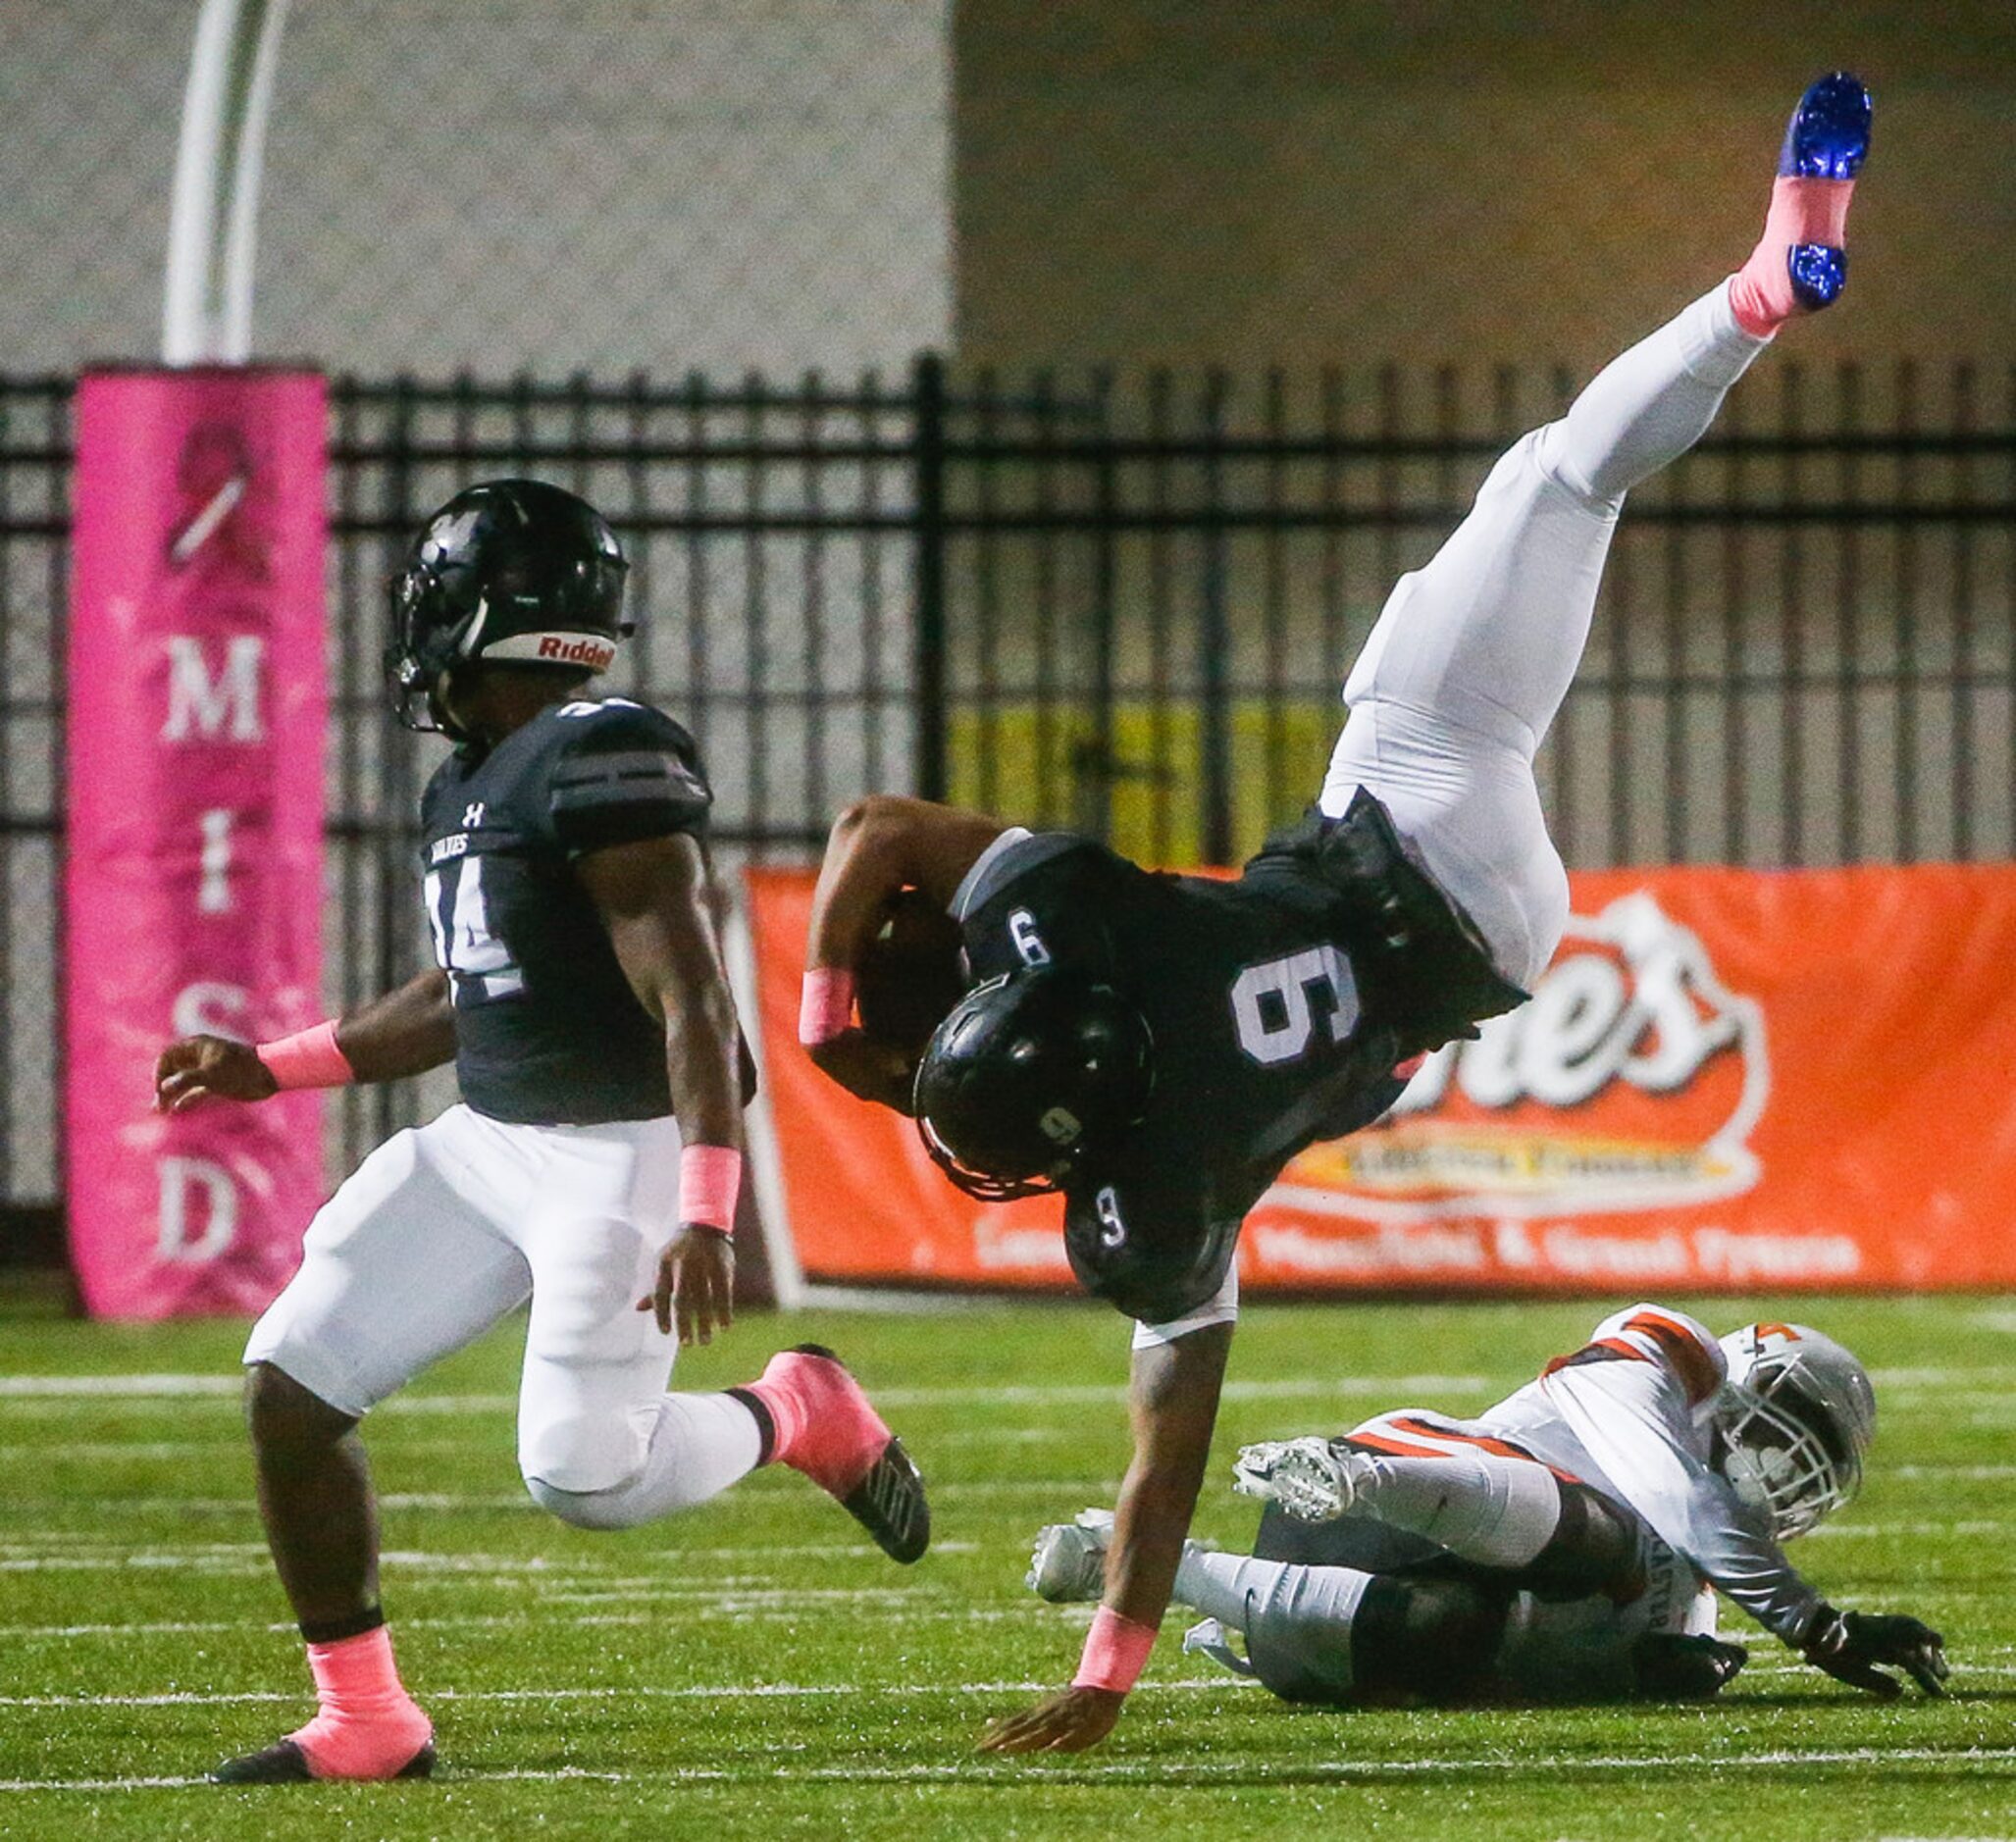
<point x="696" y="1287"/>
<point x="868" y="1067"/>
<point x="1849" y="1645"/>
<point x="209" y="1067"/>
<point x="1068" y="1721"/>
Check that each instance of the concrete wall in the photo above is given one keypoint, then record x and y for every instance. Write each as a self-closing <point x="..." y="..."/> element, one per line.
<point x="502" y="183"/>
<point x="1448" y="179"/>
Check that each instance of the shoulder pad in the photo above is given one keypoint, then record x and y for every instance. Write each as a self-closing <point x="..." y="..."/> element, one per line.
<point x="622" y="771"/>
<point x="1011" y="856"/>
<point x="1668" y="1339"/>
<point x="1049" y="899"/>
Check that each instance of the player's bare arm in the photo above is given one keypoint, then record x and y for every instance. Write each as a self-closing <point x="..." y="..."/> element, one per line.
<point x="405" y="1031"/>
<point x="1173" y="1403"/>
<point x="878" y="848"/>
<point x="653" y="896"/>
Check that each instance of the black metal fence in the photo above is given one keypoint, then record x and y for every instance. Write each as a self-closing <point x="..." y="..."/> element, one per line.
<point x="1125" y="604"/>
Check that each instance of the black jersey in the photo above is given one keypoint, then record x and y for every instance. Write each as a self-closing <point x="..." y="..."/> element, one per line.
<point x="1279" y="1003"/>
<point x="548" y="1029"/>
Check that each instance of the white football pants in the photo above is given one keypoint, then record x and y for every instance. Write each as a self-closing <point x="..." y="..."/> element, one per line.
<point x="1297" y="1623"/>
<point x="1472" y="653"/>
<point x="443" y="1231"/>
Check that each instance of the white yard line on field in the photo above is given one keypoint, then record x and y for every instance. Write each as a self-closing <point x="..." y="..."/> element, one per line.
<point x="516" y="1620"/>
<point x="140" y="1451"/>
<point x="1007" y="1394"/>
<point x="1061" y="1490"/>
<point x="692" y="1691"/>
<point x="138" y="1385"/>
<point x="1345" y="1769"/>
<point x="252" y="1557"/>
<point x="1101" y="1489"/>
<point x="235" y="1506"/>
<point x="111" y="1450"/>
<point x="1143" y="1773"/>
<point x="1878" y="1530"/>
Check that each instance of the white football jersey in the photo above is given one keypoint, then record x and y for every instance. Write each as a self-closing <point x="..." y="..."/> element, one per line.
<point x="1629" y="1413"/>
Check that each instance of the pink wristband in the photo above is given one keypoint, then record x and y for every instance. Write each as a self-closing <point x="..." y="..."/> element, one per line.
<point x="309" y="1058"/>
<point x="827" y="1008"/>
<point x="1115" y="1652"/>
<point x="709" y="1182"/>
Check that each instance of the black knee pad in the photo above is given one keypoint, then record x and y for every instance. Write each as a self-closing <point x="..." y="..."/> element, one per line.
<point x="1597" y="1547"/>
<point x="1349" y="1542"/>
<point x="1435" y="1640"/>
<point x="1288" y="1669"/>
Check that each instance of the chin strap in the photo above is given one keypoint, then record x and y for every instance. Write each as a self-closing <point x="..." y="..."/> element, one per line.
<point x="978" y="1183"/>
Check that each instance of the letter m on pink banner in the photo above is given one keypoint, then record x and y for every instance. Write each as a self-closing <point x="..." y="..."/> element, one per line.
<point x="198" y="710"/>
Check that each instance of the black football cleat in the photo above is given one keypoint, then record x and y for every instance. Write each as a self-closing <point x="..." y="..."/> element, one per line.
<point x="889" y="1503"/>
<point x="284" y="1762"/>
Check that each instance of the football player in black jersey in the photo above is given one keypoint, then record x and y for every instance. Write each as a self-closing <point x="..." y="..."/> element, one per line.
<point x="1157" y="1046"/>
<point x="593" y="1163"/>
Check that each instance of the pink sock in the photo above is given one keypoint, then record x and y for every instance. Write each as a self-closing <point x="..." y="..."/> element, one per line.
<point x="825" y="1426"/>
<point x="1803" y="211"/>
<point x="368" y="1727"/>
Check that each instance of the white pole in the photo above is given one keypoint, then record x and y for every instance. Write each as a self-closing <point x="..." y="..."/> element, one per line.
<point x="759" y="1123"/>
<point x="207" y="301"/>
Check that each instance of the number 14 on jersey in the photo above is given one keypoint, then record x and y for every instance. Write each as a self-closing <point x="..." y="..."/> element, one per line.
<point x="464" y="947"/>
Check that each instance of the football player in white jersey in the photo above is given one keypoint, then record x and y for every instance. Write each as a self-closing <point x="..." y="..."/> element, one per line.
<point x="1564" y="1545"/>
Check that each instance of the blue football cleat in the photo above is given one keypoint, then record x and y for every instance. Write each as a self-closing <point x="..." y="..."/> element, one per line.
<point x="1827" y="138"/>
<point x="1819" y="272"/>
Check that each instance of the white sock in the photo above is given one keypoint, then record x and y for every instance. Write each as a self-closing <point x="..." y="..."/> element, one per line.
<point x="1495" y="1510"/>
<point x="1296" y="1619"/>
<point x="701" y="1444"/>
<point x="1652" y="403"/>
<point x="1227" y="1587"/>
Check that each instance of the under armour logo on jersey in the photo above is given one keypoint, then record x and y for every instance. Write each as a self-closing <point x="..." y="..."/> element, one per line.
<point x="472" y="815"/>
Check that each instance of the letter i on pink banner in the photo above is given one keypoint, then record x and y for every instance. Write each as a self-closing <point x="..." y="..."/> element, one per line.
<point x="197" y="709"/>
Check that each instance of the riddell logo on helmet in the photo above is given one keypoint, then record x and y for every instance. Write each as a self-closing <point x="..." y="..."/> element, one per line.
<point x="1632" y="1080"/>
<point x="596" y="654"/>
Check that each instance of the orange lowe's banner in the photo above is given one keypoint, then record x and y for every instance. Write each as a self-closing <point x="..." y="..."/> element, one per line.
<point x="1727" y="1079"/>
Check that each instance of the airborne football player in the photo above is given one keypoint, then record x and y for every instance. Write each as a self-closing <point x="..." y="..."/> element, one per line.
<point x="593" y="1163"/>
<point x="1158" y="1048"/>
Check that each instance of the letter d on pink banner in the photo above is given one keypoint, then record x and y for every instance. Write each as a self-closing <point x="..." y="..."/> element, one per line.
<point x="197" y="709"/>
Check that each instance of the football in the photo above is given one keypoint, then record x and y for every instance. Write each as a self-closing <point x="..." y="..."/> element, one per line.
<point x="911" y="973"/>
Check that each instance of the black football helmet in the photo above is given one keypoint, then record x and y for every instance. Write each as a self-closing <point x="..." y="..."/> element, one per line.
<point x="511" y="569"/>
<point x="1031" y="1072"/>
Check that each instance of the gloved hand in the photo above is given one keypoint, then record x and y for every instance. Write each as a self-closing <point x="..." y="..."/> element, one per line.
<point x="1667" y="1666"/>
<point x="1848" y="1644"/>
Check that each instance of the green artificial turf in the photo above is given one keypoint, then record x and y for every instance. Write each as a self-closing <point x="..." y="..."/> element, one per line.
<point x="754" y="1670"/>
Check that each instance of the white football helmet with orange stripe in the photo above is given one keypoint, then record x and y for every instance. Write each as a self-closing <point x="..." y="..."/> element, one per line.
<point x="1796" y="1417"/>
